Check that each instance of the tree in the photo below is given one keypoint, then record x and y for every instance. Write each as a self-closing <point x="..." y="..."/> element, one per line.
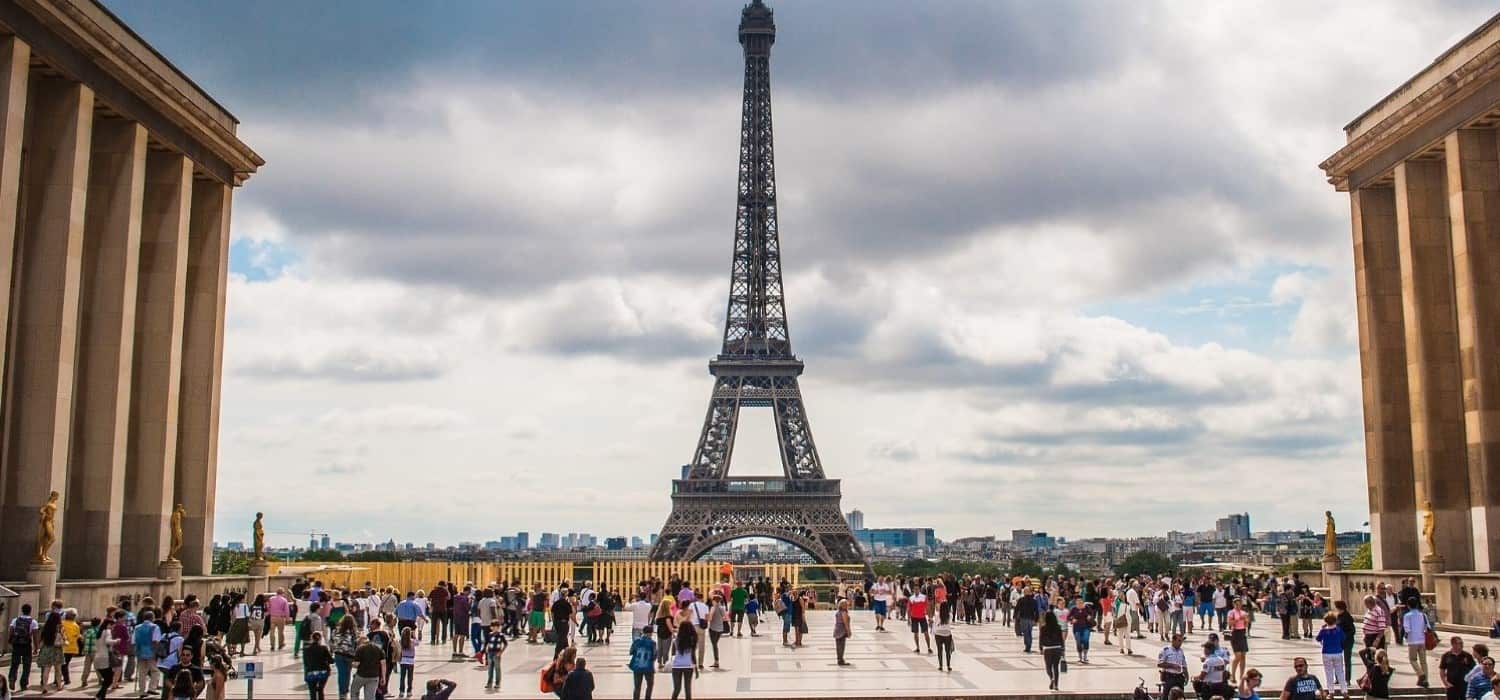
<point x="1301" y="564"/>
<point x="1026" y="567"/>
<point x="320" y="555"/>
<point x="229" y="563"/>
<point x="1145" y="562"/>
<point x="1362" y="558"/>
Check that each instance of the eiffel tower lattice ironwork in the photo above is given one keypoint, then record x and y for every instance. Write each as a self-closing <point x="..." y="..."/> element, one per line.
<point x="756" y="368"/>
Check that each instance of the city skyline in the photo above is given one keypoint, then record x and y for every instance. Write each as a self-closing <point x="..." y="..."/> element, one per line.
<point x="1037" y="315"/>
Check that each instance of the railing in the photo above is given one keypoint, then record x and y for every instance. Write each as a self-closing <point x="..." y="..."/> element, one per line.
<point x="756" y="485"/>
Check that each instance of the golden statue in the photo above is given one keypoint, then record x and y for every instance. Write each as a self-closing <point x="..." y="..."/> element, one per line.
<point x="176" y="545"/>
<point x="1428" y="528"/>
<point x="1330" y="536"/>
<point x="258" y="541"/>
<point x="46" y="530"/>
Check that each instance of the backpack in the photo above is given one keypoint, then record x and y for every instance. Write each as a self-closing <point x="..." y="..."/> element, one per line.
<point x="1161" y="604"/>
<point x="20" y="634"/>
<point x="780" y="605"/>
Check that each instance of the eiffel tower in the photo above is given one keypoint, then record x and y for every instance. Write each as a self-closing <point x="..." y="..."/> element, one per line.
<point x="756" y="368"/>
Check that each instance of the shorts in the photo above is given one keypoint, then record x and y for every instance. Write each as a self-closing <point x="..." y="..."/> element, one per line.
<point x="1205" y="608"/>
<point x="878" y="607"/>
<point x="919" y="625"/>
<point x="735" y="616"/>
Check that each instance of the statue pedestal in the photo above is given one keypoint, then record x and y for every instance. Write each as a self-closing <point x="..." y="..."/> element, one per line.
<point x="44" y="576"/>
<point x="170" y="569"/>
<point x="260" y="568"/>
<point x="1430" y="565"/>
<point x="1332" y="562"/>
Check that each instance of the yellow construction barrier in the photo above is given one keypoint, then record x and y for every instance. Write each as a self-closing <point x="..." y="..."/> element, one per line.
<point x="617" y="575"/>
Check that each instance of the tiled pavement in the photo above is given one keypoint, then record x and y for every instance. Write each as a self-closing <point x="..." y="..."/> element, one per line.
<point x="988" y="661"/>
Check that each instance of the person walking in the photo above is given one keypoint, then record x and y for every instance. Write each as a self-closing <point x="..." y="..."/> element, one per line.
<point x="666" y="626"/>
<point x="841" y="633"/>
<point x="1377" y="620"/>
<point x="1331" y="637"/>
<point x="23" y="636"/>
<point x="642" y="663"/>
<point x="1414" y="622"/>
<point x="406" y="661"/>
<point x="146" y="637"/>
<point x="370" y="669"/>
<point x="1346" y="625"/>
<point x="916" y="613"/>
<point x="684" y="661"/>
<point x="316" y="662"/>
<point x="103" y="660"/>
<point x="1026" y="616"/>
<point x="1052" y="647"/>
<point x="718" y="625"/>
<point x="1081" y="619"/>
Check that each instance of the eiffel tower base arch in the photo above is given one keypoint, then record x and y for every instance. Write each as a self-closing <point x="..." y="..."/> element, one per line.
<point x="708" y="513"/>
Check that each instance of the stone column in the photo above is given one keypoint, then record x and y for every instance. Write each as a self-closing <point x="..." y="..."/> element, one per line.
<point x="1382" y="355"/>
<point x="202" y="363"/>
<point x="150" y="475"/>
<point x="39" y="410"/>
<point x="1439" y="455"/>
<point x="111" y="255"/>
<point x="15" y="59"/>
<point x="1474" y="211"/>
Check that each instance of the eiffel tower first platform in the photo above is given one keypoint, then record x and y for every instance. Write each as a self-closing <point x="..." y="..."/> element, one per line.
<point x="756" y="368"/>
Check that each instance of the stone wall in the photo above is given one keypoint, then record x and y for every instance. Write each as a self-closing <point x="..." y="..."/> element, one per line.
<point x="92" y="598"/>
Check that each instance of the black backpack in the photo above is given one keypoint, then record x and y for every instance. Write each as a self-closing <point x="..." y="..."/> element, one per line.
<point x="20" y="634"/>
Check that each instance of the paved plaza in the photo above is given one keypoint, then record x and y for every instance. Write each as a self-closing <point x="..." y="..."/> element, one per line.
<point x="988" y="661"/>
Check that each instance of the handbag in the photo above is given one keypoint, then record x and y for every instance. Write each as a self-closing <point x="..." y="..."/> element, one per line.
<point x="1063" y="666"/>
<point x="1364" y="682"/>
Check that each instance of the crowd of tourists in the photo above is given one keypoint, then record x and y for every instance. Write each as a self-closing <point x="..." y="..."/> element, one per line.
<point x="358" y="639"/>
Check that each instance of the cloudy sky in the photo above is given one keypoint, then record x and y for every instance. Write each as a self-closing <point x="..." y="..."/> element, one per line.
<point x="1067" y="265"/>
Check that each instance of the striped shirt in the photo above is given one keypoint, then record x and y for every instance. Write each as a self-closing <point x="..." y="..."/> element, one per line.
<point x="1376" y="620"/>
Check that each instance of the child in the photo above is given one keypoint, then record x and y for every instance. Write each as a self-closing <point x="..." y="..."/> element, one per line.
<point x="752" y="611"/>
<point x="408" y="661"/>
<point x="943" y="633"/>
<point x="494" y="646"/>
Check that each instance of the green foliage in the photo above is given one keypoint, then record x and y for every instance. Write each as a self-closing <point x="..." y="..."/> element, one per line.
<point x="1022" y="566"/>
<point x="320" y="555"/>
<point x="925" y="568"/>
<point x="373" y="556"/>
<point x="1362" y="559"/>
<point x="1146" y="562"/>
<point x="1301" y="564"/>
<point x="227" y="563"/>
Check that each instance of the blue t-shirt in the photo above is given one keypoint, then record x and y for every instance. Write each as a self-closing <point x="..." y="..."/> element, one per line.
<point x="145" y="641"/>
<point x="1332" y="639"/>
<point x="752" y="606"/>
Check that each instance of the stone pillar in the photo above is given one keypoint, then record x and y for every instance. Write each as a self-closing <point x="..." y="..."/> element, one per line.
<point x="1473" y="157"/>
<point x="39" y="408"/>
<point x="15" y="59"/>
<point x="111" y="254"/>
<point x="150" y="476"/>
<point x="1439" y="455"/>
<point x="1382" y="355"/>
<point x="202" y="363"/>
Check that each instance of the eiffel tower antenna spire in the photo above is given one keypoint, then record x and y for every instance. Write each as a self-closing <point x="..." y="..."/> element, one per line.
<point x="756" y="367"/>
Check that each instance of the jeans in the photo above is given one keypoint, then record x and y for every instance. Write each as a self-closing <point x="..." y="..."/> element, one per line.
<point x="561" y="632"/>
<point x="1081" y="638"/>
<point x="663" y="649"/>
<point x="20" y="660"/>
<point x="439" y="628"/>
<point x="365" y="687"/>
<point x="343" y="664"/>
<point x="649" y="678"/>
<point x="145" y="675"/>
<point x="1223" y="617"/>
<point x="476" y="635"/>
<point x="944" y="650"/>
<point x="682" y="681"/>
<point x="838" y="648"/>
<point x="492" y="669"/>
<point x="315" y="680"/>
<point x="404" y="680"/>
<point x="1023" y="629"/>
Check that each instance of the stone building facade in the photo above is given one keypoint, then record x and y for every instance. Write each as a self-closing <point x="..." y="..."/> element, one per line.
<point x="116" y="177"/>
<point x="1422" y="169"/>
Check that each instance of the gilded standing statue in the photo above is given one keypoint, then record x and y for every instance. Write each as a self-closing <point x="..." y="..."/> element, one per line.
<point x="178" y="514"/>
<point x="258" y="538"/>
<point x="46" y="530"/>
<point x="1330" y="535"/>
<point x="1429" y="527"/>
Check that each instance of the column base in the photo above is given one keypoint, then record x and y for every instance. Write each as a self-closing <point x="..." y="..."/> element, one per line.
<point x="261" y="569"/>
<point x="169" y="569"/>
<point x="1432" y="564"/>
<point x="44" y="576"/>
<point x="1332" y="562"/>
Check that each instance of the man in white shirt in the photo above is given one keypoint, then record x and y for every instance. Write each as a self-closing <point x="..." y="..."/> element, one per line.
<point x="1415" y="624"/>
<point x="881" y="592"/>
<point x="640" y="615"/>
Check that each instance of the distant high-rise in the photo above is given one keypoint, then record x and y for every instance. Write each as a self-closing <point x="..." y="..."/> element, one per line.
<point x="856" y="519"/>
<point x="325" y="542"/>
<point x="1233" y="528"/>
<point x="312" y="543"/>
<point x="636" y="543"/>
<point x="614" y="543"/>
<point x="523" y="540"/>
<point x="549" y="540"/>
